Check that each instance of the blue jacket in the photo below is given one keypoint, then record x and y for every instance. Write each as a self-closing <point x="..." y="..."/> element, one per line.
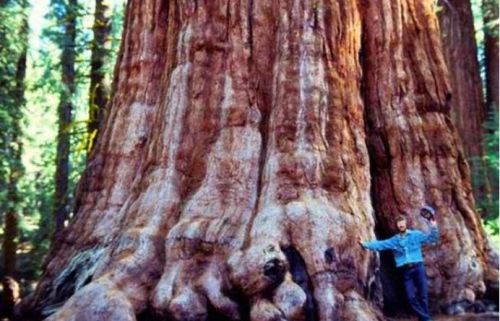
<point x="406" y="249"/>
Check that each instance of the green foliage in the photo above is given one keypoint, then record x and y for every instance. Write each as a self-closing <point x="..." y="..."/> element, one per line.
<point x="491" y="143"/>
<point x="488" y="202"/>
<point x="491" y="158"/>
<point x="485" y="13"/>
<point x="44" y="91"/>
<point x="490" y="14"/>
<point x="436" y="7"/>
<point x="13" y="43"/>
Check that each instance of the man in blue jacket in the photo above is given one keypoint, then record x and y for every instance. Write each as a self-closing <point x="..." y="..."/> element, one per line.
<point x="407" y="249"/>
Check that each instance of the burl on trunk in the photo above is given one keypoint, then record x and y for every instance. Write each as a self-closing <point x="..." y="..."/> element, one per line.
<point x="245" y="150"/>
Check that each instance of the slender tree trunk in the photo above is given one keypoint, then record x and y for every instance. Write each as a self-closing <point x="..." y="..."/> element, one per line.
<point x="490" y="18"/>
<point x="14" y="152"/>
<point x="99" y="91"/>
<point x="9" y="248"/>
<point x="65" y="109"/>
<point x="232" y="176"/>
<point x="467" y="102"/>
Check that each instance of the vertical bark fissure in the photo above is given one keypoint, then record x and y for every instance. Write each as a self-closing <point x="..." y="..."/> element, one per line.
<point x="264" y="125"/>
<point x="298" y="269"/>
<point x="380" y="229"/>
<point x="250" y="15"/>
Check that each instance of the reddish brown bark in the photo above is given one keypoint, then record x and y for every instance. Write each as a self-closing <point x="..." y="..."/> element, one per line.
<point x="231" y="178"/>
<point x="467" y="102"/>
<point x="460" y="52"/>
<point x="416" y="156"/>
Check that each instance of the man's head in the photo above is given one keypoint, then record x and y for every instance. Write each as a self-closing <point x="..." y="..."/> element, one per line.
<point x="401" y="223"/>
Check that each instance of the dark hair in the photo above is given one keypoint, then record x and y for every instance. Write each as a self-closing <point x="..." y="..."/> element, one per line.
<point x="400" y="218"/>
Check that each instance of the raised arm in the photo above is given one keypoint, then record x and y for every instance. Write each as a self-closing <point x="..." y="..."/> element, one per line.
<point x="380" y="245"/>
<point x="430" y="237"/>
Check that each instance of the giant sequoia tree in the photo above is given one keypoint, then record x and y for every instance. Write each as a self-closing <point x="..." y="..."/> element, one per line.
<point x="247" y="145"/>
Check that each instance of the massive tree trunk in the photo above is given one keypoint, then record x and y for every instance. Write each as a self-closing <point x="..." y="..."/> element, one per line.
<point x="65" y="110"/>
<point x="232" y="176"/>
<point x="99" y="91"/>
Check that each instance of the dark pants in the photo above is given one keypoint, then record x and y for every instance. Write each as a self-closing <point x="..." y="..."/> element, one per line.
<point x="415" y="282"/>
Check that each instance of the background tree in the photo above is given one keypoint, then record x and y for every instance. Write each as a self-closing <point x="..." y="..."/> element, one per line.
<point x="490" y="62"/>
<point x="235" y="165"/>
<point x="13" y="37"/>
<point x="40" y="123"/>
<point x="467" y="101"/>
<point x="68" y="10"/>
<point x="99" y="91"/>
<point x="490" y="18"/>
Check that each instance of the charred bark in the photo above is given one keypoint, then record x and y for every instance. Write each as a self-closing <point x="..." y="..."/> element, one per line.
<point x="232" y="175"/>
